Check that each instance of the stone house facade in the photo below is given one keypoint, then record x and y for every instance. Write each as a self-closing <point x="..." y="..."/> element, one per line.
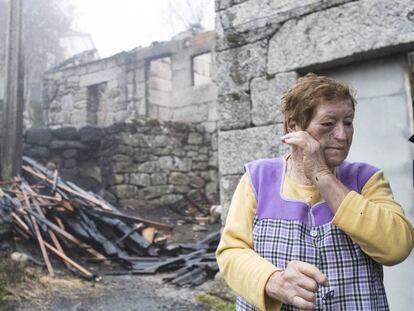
<point x="263" y="46"/>
<point x="169" y="81"/>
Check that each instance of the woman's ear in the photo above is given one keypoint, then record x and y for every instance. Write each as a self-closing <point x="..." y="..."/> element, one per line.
<point x="292" y="126"/>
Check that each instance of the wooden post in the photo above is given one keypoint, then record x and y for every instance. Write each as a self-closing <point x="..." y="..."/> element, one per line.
<point x="12" y="125"/>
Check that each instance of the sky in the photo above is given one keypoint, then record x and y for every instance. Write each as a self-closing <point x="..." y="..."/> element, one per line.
<point x="121" y="25"/>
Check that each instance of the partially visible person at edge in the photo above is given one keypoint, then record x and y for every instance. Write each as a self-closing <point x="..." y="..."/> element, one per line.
<point x="309" y="230"/>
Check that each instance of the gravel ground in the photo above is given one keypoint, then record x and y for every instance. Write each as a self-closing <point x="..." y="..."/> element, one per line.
<point x="113" y="293"/>
<point x="127" y="293"/>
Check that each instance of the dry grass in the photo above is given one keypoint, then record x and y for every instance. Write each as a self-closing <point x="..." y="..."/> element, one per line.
<point x="24" y="284"/>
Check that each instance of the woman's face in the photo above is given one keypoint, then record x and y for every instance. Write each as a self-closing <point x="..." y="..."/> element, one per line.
<point x="332" y="127"/>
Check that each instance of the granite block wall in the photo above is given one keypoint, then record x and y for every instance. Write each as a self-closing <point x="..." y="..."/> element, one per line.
<point x="139" y="163"/>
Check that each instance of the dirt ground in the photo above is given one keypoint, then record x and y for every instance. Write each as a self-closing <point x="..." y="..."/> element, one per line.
<point x="125" y="292"/>
<point x="113" y="293"/>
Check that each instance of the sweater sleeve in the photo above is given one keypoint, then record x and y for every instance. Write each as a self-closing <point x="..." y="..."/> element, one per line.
<point x="244" y="270"/>
<point x="376" y="222"/>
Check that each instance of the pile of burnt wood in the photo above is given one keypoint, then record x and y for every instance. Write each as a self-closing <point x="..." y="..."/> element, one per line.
<point x="68" y="222"/>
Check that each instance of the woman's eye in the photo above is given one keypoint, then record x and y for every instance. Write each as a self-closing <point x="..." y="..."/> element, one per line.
<point x="327" y="124"/>
<point x="348" y="123"/>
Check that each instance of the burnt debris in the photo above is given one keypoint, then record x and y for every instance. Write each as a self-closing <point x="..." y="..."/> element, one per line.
<point x="62" y="219"/>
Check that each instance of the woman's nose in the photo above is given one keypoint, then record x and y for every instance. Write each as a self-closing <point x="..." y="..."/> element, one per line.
<point x="340" y="132"/>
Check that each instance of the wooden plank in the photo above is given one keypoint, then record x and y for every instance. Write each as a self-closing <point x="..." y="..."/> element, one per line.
<point x="69" y="261"/>
<point x="39" y="237"/>
<point x="59" y="254"/>
<point x="68" y="236"/>
<point x="155" y="224"/>
<point x="149" y="234"/>
<point x="42" y="246"/>
<point x="51" y="233"/>
<point x="20" y="222"/>
<point x="70" y="190"/>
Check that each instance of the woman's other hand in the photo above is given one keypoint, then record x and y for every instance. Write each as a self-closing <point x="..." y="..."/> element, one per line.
<point x="296" y="285"/>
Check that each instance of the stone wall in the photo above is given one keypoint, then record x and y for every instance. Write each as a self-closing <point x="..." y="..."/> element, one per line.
<point x="264" y="46"/>
<point x="139" y="163"/>
<point x="170" y="81"/>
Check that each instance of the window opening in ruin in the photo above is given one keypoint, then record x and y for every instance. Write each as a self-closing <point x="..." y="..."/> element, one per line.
<point x="201" y="65"/>
<point x="159" y="85"/>
<point x="95" y="94"/>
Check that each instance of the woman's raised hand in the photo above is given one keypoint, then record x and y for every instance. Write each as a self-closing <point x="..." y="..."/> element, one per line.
<point x="314" y="163"/>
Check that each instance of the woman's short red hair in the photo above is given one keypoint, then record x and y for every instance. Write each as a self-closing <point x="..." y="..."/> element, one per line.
<point x="299" y="102"/>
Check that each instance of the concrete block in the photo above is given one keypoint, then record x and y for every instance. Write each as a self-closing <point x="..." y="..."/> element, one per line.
<point x="257" y="13"/>
<point x="228" y="185"/>
<point x="248" y="11"/>
<point x="160" y="84"/>
<point x="66" y="133"/>
<point x="119" y="116"/>
<point x="183" y="165"/>
<point x="266" y="97"/>
<point x="153" y="192"/>
<point x="209" y="126"/>
<point x="100" y="76"/>
<point x="234" y="111"/>
<point x="38" y="136"/>
<point x="168" y="200"/>
<point x="213" y="160"/>
<point x="232" y="38"/>
<point x="125" y="191"/>
<point x="182" y="78"/>
<point x="166" y="163"/>
<point x="224" y="4"/>
<point x="158" y="179"/>
<point x="195" y="139"/>
<point x="193" y="95"/>
<point x="197" y="182"/>
<point x="160" y="140"/>
<point x="235" y="67"/>
<point x="342" y="34"/>
<point x="212" y="192"/>
<point x="241" y="146"/>
<point x="140" y="179"/>
<point x="178" y="178"/>
<point x="149" y="167"/>
<point x="212" y="111"/>
<point x="159" y="97"/>
<point x="195" y="113"/>
<point x="36" y="152"/>
<point x="160" y="67"/>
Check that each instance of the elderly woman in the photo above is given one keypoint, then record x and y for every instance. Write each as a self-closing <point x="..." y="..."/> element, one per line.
<point x="309" y="230"/>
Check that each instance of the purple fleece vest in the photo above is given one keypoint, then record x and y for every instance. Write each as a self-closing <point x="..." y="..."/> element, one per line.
<point x="267" y="177"/>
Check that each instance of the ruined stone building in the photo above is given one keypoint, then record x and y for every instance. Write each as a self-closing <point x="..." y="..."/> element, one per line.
<point x="170" y="81"/>
<point x="157" y="124"/>
<point x="139" y="127"/>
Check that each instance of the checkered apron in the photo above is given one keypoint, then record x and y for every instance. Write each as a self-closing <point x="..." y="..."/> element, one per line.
<point x="306" y="234"/>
